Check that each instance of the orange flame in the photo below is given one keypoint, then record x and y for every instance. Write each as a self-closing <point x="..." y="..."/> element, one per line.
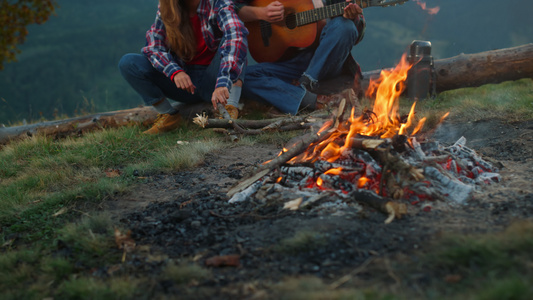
<point x="383" y="120"/>
<point x="387" y="88"/>
<point x="334" y="171"/>
<point x="362" y="181"/>
<point x="431" y="11"/>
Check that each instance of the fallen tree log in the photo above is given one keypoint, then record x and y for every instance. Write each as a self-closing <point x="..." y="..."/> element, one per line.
<point x="472" y="70"/>
<point x="79" y="125"/>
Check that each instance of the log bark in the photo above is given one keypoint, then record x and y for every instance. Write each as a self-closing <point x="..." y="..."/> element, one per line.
<point x="79" y="125"/>
<point x="469" y="70"/>
<point x="472" y="70"/>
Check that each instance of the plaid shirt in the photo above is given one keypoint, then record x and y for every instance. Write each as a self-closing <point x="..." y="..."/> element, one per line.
<point x="221" y="28"/>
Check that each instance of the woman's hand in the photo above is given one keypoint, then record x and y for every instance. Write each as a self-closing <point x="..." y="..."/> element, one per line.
<point x="220" y="95"/>
<point x="352" y="10"/>
<point x="183" y="81"/>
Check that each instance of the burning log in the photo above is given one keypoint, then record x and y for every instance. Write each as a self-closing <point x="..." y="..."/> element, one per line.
<point x="286" y="155"/>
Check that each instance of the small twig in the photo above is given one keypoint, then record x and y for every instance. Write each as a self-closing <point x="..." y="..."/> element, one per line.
<point x="350" y="275"/>
<point x="390" y="272"/>
<point x="254" y="215"/>
<point x="289" y="127"/>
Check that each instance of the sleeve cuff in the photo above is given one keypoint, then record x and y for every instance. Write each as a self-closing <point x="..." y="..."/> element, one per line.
<point x="174" y="74"/>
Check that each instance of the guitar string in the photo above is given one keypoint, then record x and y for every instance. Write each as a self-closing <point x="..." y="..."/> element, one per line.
<point x="313" y="15"/>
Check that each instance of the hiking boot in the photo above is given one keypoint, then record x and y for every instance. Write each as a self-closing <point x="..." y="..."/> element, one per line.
<point x="164" y="123"/>
<point x="232" y="111"/>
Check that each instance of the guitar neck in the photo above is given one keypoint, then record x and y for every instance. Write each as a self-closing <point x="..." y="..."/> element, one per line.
<point x="329" y="11"/>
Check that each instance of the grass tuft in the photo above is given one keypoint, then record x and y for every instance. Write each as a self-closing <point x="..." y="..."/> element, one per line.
<point x="185" y="273"/>
<point x="302" y="241"/>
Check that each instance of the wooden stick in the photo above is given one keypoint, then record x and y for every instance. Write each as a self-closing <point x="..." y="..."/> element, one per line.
<point x="385" y="205"/>
<point x="222" y="110"/>
<point x="297" y="147"/>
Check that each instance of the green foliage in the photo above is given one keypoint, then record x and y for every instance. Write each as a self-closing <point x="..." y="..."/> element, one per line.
<point x="15" y="16"/>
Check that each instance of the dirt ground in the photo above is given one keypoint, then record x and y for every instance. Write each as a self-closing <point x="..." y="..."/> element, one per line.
<point x="186" y="216"/>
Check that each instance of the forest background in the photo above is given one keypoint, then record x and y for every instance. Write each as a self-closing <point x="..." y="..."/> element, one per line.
<point x="68" y="65"/>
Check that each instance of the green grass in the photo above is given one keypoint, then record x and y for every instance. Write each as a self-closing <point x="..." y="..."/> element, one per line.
<point x="490" y="266"/>
<point x="509" y="101"/>
<point x="52" y="235"/>
<point x="49" y="192"/>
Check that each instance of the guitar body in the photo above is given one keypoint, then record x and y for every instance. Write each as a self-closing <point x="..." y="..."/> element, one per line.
<point x="269" y="42"/>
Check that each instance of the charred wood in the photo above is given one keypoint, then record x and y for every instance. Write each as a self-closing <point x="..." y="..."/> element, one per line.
<point x="296" y="148"/>
<point x="393" y="209"/>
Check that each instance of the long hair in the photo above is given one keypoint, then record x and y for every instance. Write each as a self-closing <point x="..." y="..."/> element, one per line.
<point x="179" y="31"/>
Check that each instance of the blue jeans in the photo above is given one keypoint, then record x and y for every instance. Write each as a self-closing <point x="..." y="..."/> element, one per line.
<point x="273" y="82"/>
<point x="153" y="85"/>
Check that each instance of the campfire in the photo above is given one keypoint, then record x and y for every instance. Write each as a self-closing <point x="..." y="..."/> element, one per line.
<point x="374" y="156"/>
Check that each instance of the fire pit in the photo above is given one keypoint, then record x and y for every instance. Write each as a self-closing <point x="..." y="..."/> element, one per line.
<point x="375" y="157"/>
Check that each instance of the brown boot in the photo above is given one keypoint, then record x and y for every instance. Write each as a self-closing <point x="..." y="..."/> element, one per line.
<point x="232" y="111"/>
<point x="164" y="123"/>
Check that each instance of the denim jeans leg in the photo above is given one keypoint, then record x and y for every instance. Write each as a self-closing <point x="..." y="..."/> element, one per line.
<point x="149" y="83"/>
<point x="336" y="42"/>
<point x="271" y="83"/>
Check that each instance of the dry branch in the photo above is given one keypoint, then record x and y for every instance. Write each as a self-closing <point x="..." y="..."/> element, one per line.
<point x="231" y="132"/>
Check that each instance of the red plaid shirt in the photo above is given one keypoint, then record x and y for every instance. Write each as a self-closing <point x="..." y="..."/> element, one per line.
<point x="221" y="28"/>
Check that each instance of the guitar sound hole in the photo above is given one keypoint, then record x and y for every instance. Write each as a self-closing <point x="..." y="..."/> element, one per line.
<point x="290" y="21"/>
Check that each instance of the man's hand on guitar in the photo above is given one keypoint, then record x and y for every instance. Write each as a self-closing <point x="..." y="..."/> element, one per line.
<point x="274" y="12"/>
<point x="352" y="10"/>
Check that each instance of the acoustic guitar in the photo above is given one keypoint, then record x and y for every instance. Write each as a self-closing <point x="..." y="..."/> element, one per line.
<point x="300" y="28"/>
